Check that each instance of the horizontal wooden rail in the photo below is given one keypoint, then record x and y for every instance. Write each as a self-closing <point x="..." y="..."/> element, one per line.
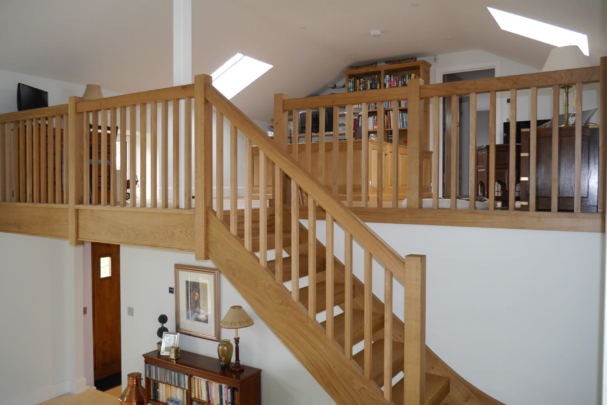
<point x="507" y="83"/>
<point x="375" y="96"/>
<point x="33" y="114"/>
<point x="381" y="251"/>
<point x="167" y="94"/>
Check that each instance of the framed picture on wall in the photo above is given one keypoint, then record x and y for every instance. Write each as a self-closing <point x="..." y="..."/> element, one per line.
<point x="197" y="301"/>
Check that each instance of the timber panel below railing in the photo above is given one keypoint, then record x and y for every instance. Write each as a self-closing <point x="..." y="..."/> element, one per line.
<point x="49" y="220"/>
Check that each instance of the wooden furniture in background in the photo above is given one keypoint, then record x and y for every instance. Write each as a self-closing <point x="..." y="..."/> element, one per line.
<point x="97" y="159"/>
<point x="566" y="172"/>
<point x="502" y="172"/>
<point x="373" y="78"/>
<point x="247" y="383"/>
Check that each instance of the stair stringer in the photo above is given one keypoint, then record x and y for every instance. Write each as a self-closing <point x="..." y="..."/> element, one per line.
<point x="305" y="338"/>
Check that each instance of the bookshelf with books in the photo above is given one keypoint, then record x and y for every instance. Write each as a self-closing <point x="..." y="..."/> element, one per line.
<point x="195" y="379"/>
<point x="386" y="76"/>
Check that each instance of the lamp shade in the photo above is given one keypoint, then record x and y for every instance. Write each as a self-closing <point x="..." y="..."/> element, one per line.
<point x="566" y="57"/>
<point x="92" y="92"/>
<point x="236" y="318"/>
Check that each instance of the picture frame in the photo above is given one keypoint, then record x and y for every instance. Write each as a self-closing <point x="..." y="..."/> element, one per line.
<point x="197" y="308"/>
<point x="168" y="339"/>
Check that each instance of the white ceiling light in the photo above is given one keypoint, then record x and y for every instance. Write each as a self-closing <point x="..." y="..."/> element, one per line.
<point x="547" y="33"/>
<point x="237" y="73"/>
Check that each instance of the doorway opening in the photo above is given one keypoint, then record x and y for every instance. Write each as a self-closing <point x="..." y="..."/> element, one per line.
<point x="105" y="277"/>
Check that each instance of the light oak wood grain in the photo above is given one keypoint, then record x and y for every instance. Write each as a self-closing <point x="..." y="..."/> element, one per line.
<point x="49" y="220"/>
<point x="166" y="94"/>
<point x="37" y="113"/>
<point x="415" y="330"/>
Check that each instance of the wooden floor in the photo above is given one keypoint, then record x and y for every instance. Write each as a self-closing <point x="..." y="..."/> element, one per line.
<point x="88" y="397"/>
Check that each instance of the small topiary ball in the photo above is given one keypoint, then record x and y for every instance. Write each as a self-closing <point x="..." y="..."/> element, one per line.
<point x="162" y="319"/>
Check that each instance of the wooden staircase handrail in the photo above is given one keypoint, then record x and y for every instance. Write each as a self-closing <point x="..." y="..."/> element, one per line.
<point x="380" y="250"/>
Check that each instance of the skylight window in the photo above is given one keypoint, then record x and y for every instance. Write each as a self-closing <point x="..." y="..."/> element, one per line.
<point x="547" y="33"/>
<point x="237" y="73"/>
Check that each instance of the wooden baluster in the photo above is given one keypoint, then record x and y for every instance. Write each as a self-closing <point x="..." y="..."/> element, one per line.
<point x="3" y="164"/>
<point x="164" y="151"/>
<point x="16" y="163"/>
<point x="388" y="334"/>
<point x="233" y="179"/>
<point x="22" y="162"/>
<point x="11" y="153"/>
<point x="123" y="167"/>
<point x="188" y="158"/>
<point x="365" y="155"/>
<point x="311" y="258"/>
<point x="454" y="143"/>
<point x="321" y="146"/>
<point x="294" y="241"/>
<point x="492" y="135"/>
<point x="66" y="157"/>
<point x="263" y="210"/>
<point x="143" y="149"/>
<point x="395" y="152"/>
<point x="295" y="136"/>
<point x="176" y="203"/>
<point x="368" y="315"/>
<point x="36" y="158"/>
<point x="29" y="161"/>
<point x="415" y="331"/>
<point x="533" y="151"/>
<point x="113" y="165"/>
<point x="50" y="153"/>
<point x="154" y="155"/>
<point x="278" y="222"/>
<point x="133" y="155"/>
<point x="349" y="154"/>
<point x="512" y="155"/>
<point x="86" y="157"/>
<point x="58" y="152"/>
<point x="472" y="192"/>
<point x="577" y="196"/>
<point x="248" y="195"/>
<point x="349" y="296"/>
<point x="380" y="154"/>
<point x="335" y="159"/>
<point x="218" y="164"/>
<point x="95" y="157"/>
<point x="554" y="200"/>
<point x="309" y="140"/>
<point x="330" y="276"/>
<point x="43" y="156"/>
<point x="104" y="157"/>
<point x="435" y="151"/>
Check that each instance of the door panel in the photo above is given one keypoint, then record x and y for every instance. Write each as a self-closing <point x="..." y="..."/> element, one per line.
<point x="106" y="309"/>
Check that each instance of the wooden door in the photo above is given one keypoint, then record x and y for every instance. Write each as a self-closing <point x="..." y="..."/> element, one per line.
<point x="106" y="309"/>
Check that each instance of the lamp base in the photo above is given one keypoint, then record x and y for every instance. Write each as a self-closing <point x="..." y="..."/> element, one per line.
<point x="238" y="368"/>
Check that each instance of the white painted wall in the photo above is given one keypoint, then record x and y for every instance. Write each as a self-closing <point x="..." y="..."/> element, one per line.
<point x="147" y="275"/>
<point x="58" y="92"/>
<point x="39" y="317"/>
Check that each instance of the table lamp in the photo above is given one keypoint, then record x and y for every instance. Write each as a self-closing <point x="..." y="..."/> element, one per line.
<point x="92" y="92"/>
<point x="236" y="318"/>
<point x="566" y="57"/>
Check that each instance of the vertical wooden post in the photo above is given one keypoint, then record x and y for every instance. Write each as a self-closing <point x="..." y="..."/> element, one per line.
<point x="280" y="190"/>
<point x="76" y="169"/>
<point x="472" y="159"/>
<point x="415" y="330"/>
<point x="602" y="133"/>
<point x="204" y="164"/>
<point x="414" y="147"/>
<point x="512" y="154"/>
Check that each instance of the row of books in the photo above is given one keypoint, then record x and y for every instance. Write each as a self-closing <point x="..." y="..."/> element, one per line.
<point x="372" y="122"/>
<point x="398" y="80"/>
<point x="402" y="119"/>
<point x="162" y="392"/>
<point x="364" y="83"/>
<point x="212" y="392"/>
<point x="167" y="376"/>
<point x="386" y="104"/>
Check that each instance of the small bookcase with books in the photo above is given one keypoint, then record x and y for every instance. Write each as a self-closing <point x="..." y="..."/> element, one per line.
<point x="195" y="379"/>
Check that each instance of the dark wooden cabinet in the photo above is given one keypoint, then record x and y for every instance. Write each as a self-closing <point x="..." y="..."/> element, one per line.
<point x="191" y="365"/>
<point x="502" y="172"/>
<point x="566" y="171"/>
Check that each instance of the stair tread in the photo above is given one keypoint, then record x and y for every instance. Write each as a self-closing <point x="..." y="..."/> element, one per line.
<point x="358" y="326"/>
<point x="321" y="295"/>
<point x="377" y="355"/>
<point x="303" y="266"/>
<point x="437" y="388"/>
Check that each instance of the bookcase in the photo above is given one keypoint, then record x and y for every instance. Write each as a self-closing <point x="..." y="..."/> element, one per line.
<point x="195" y="379"/>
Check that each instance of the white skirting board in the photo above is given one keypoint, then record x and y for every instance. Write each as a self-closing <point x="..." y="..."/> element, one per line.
<point x="46" y="393"/>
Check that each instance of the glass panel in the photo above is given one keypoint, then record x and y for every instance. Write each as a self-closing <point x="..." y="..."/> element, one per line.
<point x="106" y="266"/>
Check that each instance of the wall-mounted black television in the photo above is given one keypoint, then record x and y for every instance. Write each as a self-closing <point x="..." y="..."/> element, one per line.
<point x="316" y="121"/>
<point x="29" y="97"/>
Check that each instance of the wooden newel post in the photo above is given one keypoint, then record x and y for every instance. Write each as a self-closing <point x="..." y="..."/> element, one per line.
<point x="75" y="167"/>
<point x="415" y="141"/>
<point x="203" y="154"/>
<point x="415" y="330"/>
